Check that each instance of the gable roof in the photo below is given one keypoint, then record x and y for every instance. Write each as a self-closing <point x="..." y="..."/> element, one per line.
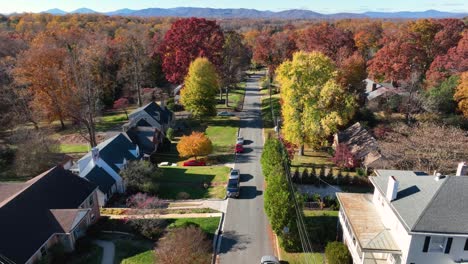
<point x="152" y="109"/>
<point x="360" y="142"/>
<point x="426" y="205"/>
<point x="68" y="218"/>
<point x="26" y="217"/>
<point x="101" y="178"/>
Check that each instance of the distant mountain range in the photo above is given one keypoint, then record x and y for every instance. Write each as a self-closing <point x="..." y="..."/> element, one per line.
<point x="253" y="13"/>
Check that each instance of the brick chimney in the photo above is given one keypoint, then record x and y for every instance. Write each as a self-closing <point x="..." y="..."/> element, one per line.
<point x="95" y="154"/>
<point x="392" y="188"/>
<point x="462" y="169"/>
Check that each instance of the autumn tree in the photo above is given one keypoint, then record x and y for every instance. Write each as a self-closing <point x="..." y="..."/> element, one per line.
<point x="236" y="59"/>
<point x="344" y="158"/>
<point x="426" y="147"/>
<point x="461" y="94"/>
<point x="141" y="176"/>
<point x="134" y="44"/>
<point x="121" y="103"/>
<point x="185" y="244"/>
<point x="326" y="38"/>
<point x="201" y="87"/>
<point x="313" y="106"/>
<point x="351" y="74"/>
<point x="195" y="145"/>
<point x="188" y="39"/>
<point x="440" y="99"/>
<point x="42" y="68"/>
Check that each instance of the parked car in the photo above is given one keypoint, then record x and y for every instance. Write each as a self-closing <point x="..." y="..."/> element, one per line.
<point x="225" y="113"/>
<point x="269" y="260"/>
<point x="194" y="163"/>
<point x="239" y="148"/>
<point x="166" y="164"/>
<point x="233" y="188"/>
<point x="240" y="140"/>
<point x="234" y="174"/>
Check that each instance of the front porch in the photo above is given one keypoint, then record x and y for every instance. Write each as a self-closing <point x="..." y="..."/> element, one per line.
<point x="368" y="240"/>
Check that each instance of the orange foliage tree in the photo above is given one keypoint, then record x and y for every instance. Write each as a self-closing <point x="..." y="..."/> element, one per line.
<point x="197" y="144"/>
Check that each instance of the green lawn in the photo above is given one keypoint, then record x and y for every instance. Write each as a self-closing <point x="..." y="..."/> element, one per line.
<point x="73" y="148"/>
<point x="317" y="159"/>
<point x="236" y="97"/>
<point x="208" y="224"/>
<point x="321" y="227"/>
<point x="133" y="251"/>
<point x="191" y="179"/>
<point x="110" y="121"/>
<point x="223" y="134"/>
<point x="268" y="121"/>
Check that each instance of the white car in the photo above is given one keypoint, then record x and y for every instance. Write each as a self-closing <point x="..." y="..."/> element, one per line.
<point x="234" y="174"/>
<point x="269" y="260"/>
<point x="240" y="140"/>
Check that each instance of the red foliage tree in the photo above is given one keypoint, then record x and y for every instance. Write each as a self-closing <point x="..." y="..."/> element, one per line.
<point x="121" y="103"/>
<point x="344" y="158"/>
<point x="326" y="38"/>
<point x="454" y="62"/>
<point x="186" y="40"/>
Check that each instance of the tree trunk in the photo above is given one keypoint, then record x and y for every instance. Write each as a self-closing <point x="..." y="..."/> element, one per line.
<point x="62" y="124"/>
<point x="227" y="97"/>
<point x="301" y="150"/>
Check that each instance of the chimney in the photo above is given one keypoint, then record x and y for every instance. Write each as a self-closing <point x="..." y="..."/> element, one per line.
<point x="462" y="169"/>
<point x="95" y="154"/>
<point x="439" y="177"/>
<point x="392" y="188"/>
<point x="374" y="86"/>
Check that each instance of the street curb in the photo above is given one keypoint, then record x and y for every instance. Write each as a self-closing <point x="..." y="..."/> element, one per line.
<point x="217" y="239"/>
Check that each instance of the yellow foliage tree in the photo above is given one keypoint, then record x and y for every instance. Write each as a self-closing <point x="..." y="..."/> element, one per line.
<point x="197" y="144"/>
<point x="201" y="88"/>
<point x="314" y="105"/>
<point x="461" y="94"/>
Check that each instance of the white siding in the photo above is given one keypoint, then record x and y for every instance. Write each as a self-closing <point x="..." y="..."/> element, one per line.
<point x="417" y="256"/>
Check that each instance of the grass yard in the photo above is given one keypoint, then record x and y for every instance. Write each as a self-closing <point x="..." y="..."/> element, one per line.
<point x="223" y="134"/>
<point x="133" y="251"/>
<point x="235" y="97"/>
<point x="73" y="148"/>
<point x="110" y="121"/>
<point x="208" y="224"/>
<point x="191" y="179"/>
<point x="321" y="227"/>
<point x="317" y="158"/>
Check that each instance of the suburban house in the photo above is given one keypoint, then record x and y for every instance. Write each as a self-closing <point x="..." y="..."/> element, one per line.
<point x="147" y="126"/>
<point x="411" y="218"/>
<point x="54" y="207"/>
<point x="378" y="93"/>
<point x="362" y="145"/>
<point x="103" y="163"/>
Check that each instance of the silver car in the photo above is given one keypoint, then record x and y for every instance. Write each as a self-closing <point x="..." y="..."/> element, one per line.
<point x="269" y="260"/>
<point x="234" y="174"/>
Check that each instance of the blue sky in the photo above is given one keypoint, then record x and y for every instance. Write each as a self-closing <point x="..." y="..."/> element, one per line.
<point x="323" y="6"/>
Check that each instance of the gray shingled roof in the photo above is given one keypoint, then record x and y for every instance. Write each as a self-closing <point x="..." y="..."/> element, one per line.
<point x="426" y="205"/>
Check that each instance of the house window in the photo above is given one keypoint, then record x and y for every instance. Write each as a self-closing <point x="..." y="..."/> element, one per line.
<point x="91" y="200"/>
<point x="93" y="217"/>
<point x="466" y="245"/>
<point x="43" y="251"/>
<point x="437" y="244"/>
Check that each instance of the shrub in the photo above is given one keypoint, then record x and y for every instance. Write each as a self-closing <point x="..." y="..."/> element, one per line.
<point x="141" y="176"/>
<point x="305" y="176"/>
<point x="344" y="158"/>
<point x="170" y="133"/>
<point x="297" y="176"/>
<point x="337" y="253"/>
<point x="182" y="244"/>
<point x="144" y="201"/>
<point x="149" y="228"/>
<point x="183" y="196"/>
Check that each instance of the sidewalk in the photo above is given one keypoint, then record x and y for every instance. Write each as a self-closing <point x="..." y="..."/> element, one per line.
<point x="108" y="249"/>
<point x="165" y="216"/>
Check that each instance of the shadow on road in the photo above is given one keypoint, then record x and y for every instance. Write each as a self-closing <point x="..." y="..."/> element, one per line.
<point x="249" y="192"/>
<point x="245" y="177"/>
<point x="232" y="241"/>
<point x="247" y="142"/>
<point x="247" y="150"/>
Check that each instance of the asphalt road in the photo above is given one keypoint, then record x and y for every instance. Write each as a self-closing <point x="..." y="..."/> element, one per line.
<point x="245" y="236"/>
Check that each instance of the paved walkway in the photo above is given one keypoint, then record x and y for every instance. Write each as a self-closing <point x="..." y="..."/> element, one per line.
<point x="163" y="216"/>
<point x="218" y="205"/>
<point x="108" y="248"/>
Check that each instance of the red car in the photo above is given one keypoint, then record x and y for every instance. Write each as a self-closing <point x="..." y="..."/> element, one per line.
<point x="194" y="163"/>
<point x="239" y="148"/>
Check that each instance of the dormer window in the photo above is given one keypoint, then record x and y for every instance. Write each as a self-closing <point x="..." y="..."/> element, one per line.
<point x="157" y="115"/>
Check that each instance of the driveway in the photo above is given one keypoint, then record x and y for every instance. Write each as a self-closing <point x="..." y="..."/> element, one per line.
<point x="246" y="236"/>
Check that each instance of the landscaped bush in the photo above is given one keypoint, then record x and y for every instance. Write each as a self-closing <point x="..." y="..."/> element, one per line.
<point x="144" y="201"/>
<point x="149" y="228"/>
<point x="184" y="245"/>
<point x="170" y="133"/>
<point x="337" y="253"/>
<point x="344" y="158"/>
<point x="183" y="196"/>
<point x="141" y="176"/>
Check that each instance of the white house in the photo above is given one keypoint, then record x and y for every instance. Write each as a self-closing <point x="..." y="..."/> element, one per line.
<point x="411" y="218"/>
<point x="103" y="163"/>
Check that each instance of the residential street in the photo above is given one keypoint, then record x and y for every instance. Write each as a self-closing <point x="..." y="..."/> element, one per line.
<point x="245" y="236"/>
